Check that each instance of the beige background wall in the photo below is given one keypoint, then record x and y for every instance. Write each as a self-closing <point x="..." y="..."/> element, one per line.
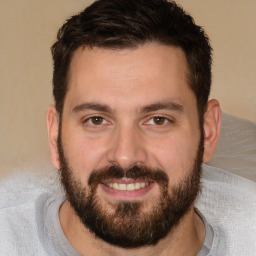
<point x="28" y="28"/>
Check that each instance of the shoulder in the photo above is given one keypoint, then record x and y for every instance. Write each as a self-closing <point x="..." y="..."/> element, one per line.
<point x="228" y="202"/>
<point x="219" y="184"/>
<point x="22" y="204"/>
<point x="23" y="186"/>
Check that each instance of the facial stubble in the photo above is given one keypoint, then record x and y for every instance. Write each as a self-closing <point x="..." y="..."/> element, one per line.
<point x="131" y="224"/>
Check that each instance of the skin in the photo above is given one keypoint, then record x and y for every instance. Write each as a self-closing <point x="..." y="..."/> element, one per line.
<point x="128" y="83"/>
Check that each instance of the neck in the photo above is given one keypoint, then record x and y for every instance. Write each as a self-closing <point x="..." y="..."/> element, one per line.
<point x="185" y="239"/>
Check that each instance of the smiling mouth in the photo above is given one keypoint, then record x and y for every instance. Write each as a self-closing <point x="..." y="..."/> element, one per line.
<point x="128" y="187"/>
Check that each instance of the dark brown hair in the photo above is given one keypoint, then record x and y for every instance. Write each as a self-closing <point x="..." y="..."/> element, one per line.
<point x="119" y="24"/>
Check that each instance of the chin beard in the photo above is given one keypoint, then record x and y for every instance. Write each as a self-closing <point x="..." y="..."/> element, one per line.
<point x="137" y="223"/>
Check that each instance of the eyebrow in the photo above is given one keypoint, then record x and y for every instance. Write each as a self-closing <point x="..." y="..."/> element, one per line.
<point x="92" y="106"/>
<point x="162" y="105"/>
<point x="149" y="108"/>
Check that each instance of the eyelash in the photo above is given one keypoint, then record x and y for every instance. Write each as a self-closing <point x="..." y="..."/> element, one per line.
<point x="166" y="120"/>
<point x="89" y="119"/>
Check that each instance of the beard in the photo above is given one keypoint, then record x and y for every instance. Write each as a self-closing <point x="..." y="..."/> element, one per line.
<point x="131" y="224"/>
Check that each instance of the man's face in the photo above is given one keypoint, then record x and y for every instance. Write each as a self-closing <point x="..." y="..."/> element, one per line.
<point x="130" y="144"/>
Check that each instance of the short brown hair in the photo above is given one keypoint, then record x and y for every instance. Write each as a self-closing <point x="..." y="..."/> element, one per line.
<point x="119" y="24"/>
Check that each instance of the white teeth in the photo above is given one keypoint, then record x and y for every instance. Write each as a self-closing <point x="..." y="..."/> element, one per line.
<point x="142" y="185"/>
<point x="122" y="186"/>
<point x="115" y="186"/>
<point x="129" y="187"/>
<point x="137" y="185"/>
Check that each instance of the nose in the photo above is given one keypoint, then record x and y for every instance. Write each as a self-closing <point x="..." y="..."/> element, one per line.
<point x="127" y="148"/>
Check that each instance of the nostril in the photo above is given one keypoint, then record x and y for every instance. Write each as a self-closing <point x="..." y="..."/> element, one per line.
<point x="126" y="148"/>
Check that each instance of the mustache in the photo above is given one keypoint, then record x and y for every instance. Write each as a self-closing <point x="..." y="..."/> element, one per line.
<point x="135" y="172"/>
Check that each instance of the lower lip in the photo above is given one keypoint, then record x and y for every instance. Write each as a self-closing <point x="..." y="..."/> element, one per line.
<point x="127" y="194"/>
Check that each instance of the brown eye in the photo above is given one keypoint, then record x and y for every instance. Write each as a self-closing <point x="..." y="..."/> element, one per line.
<point x="97" y="120"/>
<point x="158" y="120"/>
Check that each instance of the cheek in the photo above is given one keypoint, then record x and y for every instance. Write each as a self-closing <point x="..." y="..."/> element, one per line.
<point x="84" y="154"/>
<point x="176" y="154"/>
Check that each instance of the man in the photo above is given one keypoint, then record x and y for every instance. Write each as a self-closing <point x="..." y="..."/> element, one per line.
<point x="129" y="130"/>
<point x="130" y="127"/>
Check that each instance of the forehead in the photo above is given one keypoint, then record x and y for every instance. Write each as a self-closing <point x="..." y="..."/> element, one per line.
<point x="99" y="74"/>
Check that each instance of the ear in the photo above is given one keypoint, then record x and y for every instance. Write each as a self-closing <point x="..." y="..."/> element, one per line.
<point x="52" y="123"/>
<point x="212" y="122"/>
